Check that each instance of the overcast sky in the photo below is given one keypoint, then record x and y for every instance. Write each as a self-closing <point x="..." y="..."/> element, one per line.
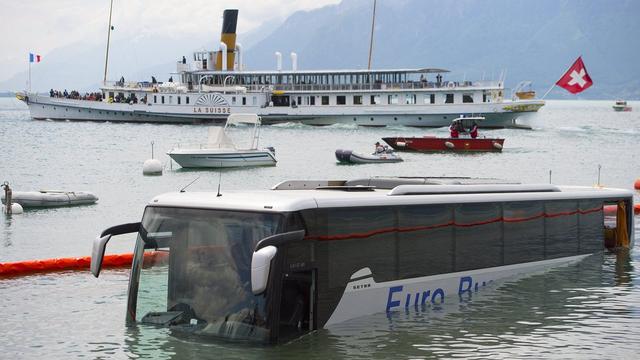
<point x="41" y="26"/>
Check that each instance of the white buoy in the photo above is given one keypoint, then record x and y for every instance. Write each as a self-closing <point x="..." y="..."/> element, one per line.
<point x="152" y="166"/>
<point x="15" y="209"/>
<point x="449" y="144"/>
<point x="497" y="145"/>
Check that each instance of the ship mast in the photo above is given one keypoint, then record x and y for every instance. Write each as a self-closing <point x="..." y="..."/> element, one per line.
<point x="106" y="60"/>
<point x="373" y="22"/>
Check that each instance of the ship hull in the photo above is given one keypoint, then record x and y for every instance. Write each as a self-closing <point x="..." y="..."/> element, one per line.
<point x="498" y="115"/>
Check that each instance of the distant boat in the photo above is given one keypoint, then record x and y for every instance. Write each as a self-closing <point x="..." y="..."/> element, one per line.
<point x="221" y="152"/>
<point x="436" y="144"/>
<point x="352" y="157"/>
<point x="621" y="105"/>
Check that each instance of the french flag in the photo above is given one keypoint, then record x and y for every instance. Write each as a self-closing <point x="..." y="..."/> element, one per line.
<point x="34" y="58"/>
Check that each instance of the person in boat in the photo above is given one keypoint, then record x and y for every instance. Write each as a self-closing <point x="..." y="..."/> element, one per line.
<point x="170" y="78"/>
<point x="474" y="130"/>
<point x="379" y="148"/>
<point x="153" y="80"/>
<point x="184" y="60"/>
<point x="454" y="130"/>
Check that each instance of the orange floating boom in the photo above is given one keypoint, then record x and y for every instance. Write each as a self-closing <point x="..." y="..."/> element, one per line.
<point x="22" y="268"/>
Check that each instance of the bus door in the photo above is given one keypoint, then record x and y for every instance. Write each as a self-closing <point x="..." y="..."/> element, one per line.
<point x="297" y="303"/>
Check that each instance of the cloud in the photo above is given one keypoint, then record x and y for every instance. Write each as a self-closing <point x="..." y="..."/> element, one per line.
<point x="42" y="26"/>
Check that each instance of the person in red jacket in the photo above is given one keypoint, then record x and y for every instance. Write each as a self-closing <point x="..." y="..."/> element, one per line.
<point x="453" y="129"/>
<point x="474" y="130"/>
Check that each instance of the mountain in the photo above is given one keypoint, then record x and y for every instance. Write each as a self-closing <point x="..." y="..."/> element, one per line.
<point x="530" y="40"/>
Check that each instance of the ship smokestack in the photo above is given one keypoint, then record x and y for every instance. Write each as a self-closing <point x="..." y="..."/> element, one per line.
<point x="229" y="22"/>
<point x="294" y="61"/>
<point x="278" y="60"/>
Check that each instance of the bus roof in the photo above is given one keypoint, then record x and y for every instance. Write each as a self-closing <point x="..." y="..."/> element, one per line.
<point x="329" y="196"/>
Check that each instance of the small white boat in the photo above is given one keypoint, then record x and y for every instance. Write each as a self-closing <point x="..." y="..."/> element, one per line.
<point x="621" y="105"/>
<point x="221" y="152"/>
<point x="51" y="198"/>
<point x="352" y="157"/>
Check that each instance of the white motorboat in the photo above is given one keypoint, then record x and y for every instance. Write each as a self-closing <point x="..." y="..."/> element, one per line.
<point x="352" y="157"/>
<point x="221" y="152"/>
<point x="51" y="198"/>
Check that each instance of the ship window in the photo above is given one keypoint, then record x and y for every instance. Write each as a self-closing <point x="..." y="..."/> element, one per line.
<point x="179" y="100"/>
<point x="448" y="99"/>
<point x="467" y="98"/>
<point x="325" y="100"/>
<point x="432" y="98"/>
<point x="233" y="100"/>
<point x="312" y="100"/>
<point x="392" y="99"/>
<point x="341" y="100"/>
<point x="155" y="99"/>
<point x="357" y="99"/>
<point x="484" y="97"/>
<point x="375" y="99"/>
<point x="187" y="99"/>
<point x="162" y="99"/>
<point x="244" y="100"/>
<point x="409" y="99"/>
<point x="170" y="99"/>
<point x="299" y="100"/>
<point x="254" y="101"/>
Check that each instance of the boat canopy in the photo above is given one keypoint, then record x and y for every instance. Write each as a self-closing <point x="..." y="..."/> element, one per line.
<point x="219" y="139"/>
<point x="243" y="119"/>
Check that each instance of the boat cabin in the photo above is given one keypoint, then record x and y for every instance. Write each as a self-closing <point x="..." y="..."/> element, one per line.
<point x="272" y="265"/>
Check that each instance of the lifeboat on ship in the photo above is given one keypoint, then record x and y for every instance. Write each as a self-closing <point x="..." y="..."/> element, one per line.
<point x="464" y="143"/>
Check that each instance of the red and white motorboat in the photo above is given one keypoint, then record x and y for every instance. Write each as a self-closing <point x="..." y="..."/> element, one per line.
<point x="465" y="143"/>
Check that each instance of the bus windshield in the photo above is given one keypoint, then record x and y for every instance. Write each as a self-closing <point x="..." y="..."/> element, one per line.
<point x="192" y="272"/>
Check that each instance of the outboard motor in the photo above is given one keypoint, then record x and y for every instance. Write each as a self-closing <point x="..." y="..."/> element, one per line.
<point x="343" y="156"/>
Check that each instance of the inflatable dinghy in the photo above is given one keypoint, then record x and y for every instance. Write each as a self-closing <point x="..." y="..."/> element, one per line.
<point x="352" y="157"/>
<point x="51" y="198"/>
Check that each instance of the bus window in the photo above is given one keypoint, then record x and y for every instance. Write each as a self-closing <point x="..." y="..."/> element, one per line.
<point x="427" y="250"/>
<point x="561" y="224"/>
<point x="591" y="222"/>
<point x="478" y="236"/>
<point x="523" y="232"/>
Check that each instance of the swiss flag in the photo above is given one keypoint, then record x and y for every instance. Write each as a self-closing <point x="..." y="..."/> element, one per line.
<point x="576" y="79"/>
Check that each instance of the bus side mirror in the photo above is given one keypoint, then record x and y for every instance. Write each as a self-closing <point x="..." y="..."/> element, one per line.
<point x="265" y="250"/>
<point x="100" y="244"/>
<point x="260" y="266"/>
<point x="97" y="253"/>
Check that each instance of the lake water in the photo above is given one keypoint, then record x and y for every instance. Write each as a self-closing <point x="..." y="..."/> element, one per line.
<point x="587" y="310"/>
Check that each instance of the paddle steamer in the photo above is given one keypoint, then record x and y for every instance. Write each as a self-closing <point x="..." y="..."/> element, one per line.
<point x="215" y="84"/>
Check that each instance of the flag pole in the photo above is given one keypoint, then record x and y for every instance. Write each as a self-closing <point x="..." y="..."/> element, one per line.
<point x="106" y="59"/>
<point x="548" y="91"/>
<point x="373" y="23"/>
<point x="29" y="73"/>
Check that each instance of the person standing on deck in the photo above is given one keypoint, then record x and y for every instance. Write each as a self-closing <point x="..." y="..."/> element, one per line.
<point x="453" y="130"/>
<point x="474" y="130"/>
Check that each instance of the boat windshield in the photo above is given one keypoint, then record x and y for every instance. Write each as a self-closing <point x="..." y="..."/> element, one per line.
<point x="192" y="272"/>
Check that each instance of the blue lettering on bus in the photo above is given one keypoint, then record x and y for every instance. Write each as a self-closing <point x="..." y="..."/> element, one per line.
<point x="394" y="303"/>
<point x="426" y="296"/>
<point x="465" y="285"/>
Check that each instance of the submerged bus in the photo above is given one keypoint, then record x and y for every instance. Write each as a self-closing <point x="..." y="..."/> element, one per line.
<point x="268" y="266"/>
